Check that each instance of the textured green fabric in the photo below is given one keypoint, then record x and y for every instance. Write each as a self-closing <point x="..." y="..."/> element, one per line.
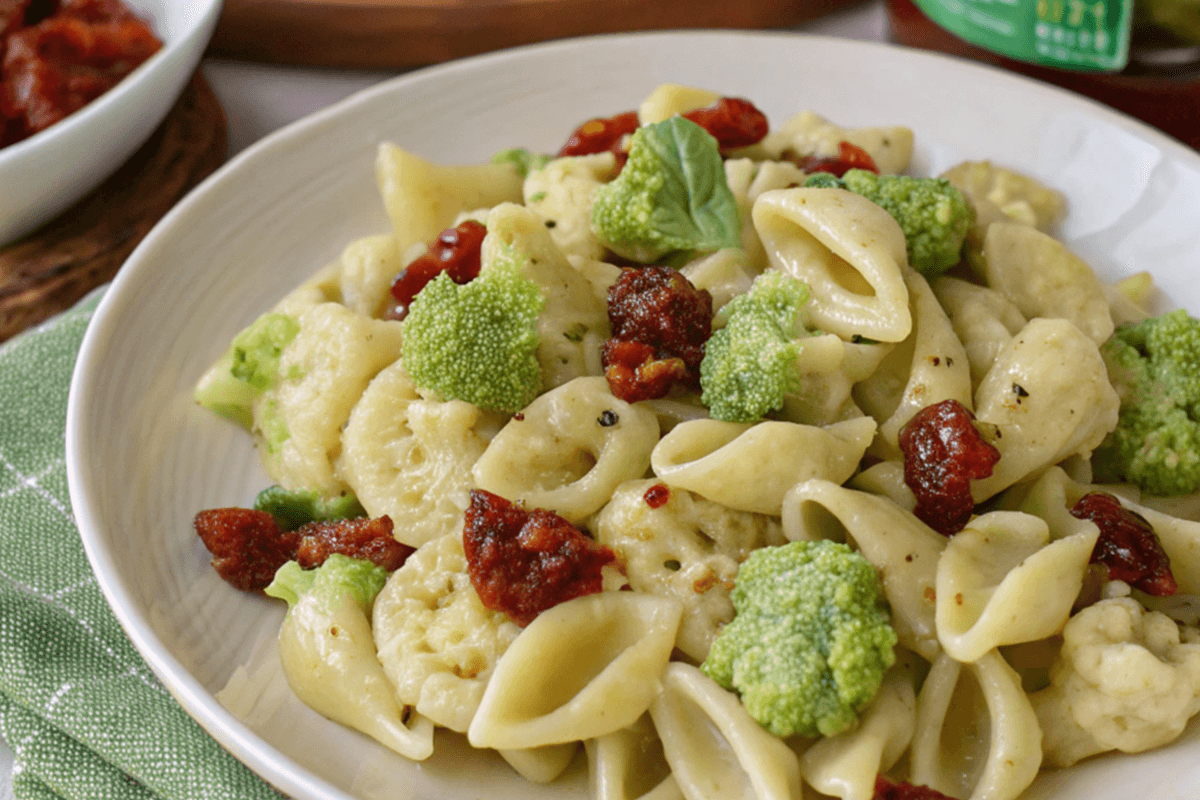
<point x="80" y="709"/>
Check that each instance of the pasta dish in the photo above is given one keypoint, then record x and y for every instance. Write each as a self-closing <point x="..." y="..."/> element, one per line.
<point x="731" y="457"/>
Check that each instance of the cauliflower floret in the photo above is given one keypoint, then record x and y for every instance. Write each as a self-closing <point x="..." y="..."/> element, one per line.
<point x="1124" y="680"/>
<point x="436" y="641"/>
<point x="560" y="193"/>
<point x="688" y="548"/>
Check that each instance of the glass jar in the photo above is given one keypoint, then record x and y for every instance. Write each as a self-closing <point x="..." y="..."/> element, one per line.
<point x="1159" y="82"/>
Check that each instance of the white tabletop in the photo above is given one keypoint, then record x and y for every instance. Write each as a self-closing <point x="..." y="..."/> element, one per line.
<point x="259" y="99"/>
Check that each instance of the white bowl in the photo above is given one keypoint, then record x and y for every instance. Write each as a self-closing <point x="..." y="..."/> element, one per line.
<point x="43" y="175"/>
<point x="143" y="458"/>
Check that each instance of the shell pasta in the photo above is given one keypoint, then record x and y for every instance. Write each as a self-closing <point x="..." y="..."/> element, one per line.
<point x="742" y="356"/>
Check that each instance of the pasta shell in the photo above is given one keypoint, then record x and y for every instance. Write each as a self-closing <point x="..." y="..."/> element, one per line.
<point x="423" y="199"/>
<point x="751" y="467"/>
<point x="1048" y="393"/>
<point x="560" y="454"/>
<point x="716" y="750"/>
<point x="1001" y="581"/>
<point x="410" y="458"/>
<point x="926" y="368"/>
<point x="629" y="765"/>
<point x="328" y="657"/>
<point x="849" y="251"/>
<point x="977" y="737"/>
<point x="582" y="669"/>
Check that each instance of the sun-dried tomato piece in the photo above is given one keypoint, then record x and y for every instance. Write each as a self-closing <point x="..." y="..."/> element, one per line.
<point x="56" y="67"/>
<point x="635" y="373"/>
<point x="1128" y="545"/>
<point x="660" y="323"/>
<point x="247" y="545"/>
<point x="657" y="495"/>
<point x="524" y="562"/>
<point x="887" y="790"/>
<point x="456" y="251"/>
<point x="598" y="135"/>
<point x="850" y="156"/>
<point x="733" y="122"/>
<point x="943" y="453"/>
<point x="369" y="539"/>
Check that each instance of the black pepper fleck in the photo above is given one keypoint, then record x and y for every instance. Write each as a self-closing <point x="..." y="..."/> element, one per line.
<point x="608" y="418"/>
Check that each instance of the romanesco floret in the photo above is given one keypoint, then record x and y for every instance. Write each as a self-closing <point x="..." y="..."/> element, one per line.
<point x="934" y="215"/>
<point x="291" y="509"/>
<point x="810" y="638"/>
<point x="477" y="341"/>
<point x="1155" y="367"/>
<point x="751" y="362"/>
<point x="671" y="196"/>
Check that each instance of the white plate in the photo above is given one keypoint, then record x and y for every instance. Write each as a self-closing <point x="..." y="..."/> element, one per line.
<point x="143" y="458"/>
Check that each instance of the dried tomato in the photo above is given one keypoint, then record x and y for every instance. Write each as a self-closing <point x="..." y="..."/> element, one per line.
<point x="733" y="122"/>
<point x="660" y="324"/>
<point x="64" y="61"/>
<point x="247" y="545"/>
<point x="1128" y="545"/>
<point x="635" y="373"/>
<point x="368" y="539"/>
<point x="850" y="156"/>
<point x="456" y="251"/>
<point x="524" y="562"/>
<point x="598" y="135"/>
<point x="887" y="790"/>
<point x="657" y="495"/>
<point x="943" y="453"/>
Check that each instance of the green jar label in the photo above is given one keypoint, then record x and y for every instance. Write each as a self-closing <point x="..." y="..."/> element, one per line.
<point x="1088" y="35"/>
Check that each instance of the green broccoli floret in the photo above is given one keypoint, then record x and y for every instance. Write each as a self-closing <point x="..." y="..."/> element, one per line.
<point x="1155" y="367"/>
<point x="670" y="197"/>
<point x="933" y="214"/>
<point x="291" y="509"/>
<point x="248" y="368"/>
<point x="751" y="362"/>
<point x="524" y="160"/>
<point x="824" y="180"/>
<point x="477" y="341"/>
<point x="339" y="575"/>
<point x="810" y="638"/>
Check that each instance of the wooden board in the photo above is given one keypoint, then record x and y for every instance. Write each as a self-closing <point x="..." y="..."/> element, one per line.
<point x="398" y="34"/>
<point x="53" y="267"/>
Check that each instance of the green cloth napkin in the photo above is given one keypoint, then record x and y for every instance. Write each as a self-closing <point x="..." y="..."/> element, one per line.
<point x="82" y="712"/>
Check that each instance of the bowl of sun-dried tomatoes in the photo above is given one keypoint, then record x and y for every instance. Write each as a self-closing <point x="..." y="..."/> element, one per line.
<point x="83" y="83"/>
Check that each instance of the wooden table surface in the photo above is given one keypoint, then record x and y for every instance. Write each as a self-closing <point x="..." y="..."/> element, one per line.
<point x="397" y="34"/>
<point x="49" y="270"/>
